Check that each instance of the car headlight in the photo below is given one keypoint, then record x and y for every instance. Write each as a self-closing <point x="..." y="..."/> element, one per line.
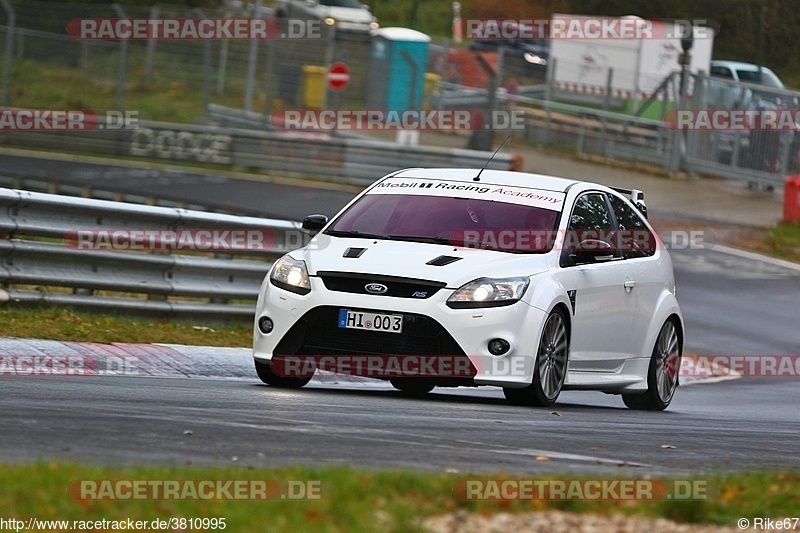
<point x="290" y="274"/>
<point x="488" y="292"/>
<point x="330" y="21"/>
<point x="374" y="25"/>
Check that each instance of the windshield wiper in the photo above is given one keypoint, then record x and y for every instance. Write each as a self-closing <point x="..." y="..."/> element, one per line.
<point x="417" y="238"/>
<point x="354" y="234"/>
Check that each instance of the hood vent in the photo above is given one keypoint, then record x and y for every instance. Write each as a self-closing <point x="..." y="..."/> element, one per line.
<point x="443" y="260"/>
<point x="354" y="253"/>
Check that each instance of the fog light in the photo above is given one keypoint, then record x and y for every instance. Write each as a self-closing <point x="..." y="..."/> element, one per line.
<point x="265" y="324"/>
<point x="498" y="346"/>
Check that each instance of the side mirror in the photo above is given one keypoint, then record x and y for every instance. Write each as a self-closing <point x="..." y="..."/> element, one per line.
<point x="592" y="251"/>
<point x="311" y="3"/>
<point x="365" y="6"/>
<point x="314" y="223"/>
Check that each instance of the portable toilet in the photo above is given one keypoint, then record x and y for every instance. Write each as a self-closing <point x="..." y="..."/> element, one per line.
<point x="397" y="67"/>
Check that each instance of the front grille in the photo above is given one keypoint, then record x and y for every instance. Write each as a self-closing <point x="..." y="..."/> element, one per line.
<point x="396" y="286"/>
<point x="317" y="333"/>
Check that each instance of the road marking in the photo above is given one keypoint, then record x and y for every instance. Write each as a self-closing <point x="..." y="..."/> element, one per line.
<point x="756" y="257"/>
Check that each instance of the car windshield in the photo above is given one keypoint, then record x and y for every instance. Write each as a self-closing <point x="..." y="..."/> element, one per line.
<point x="765" y="77"/>
<point x="473" y="223"/>
<point x="355" y="4"/>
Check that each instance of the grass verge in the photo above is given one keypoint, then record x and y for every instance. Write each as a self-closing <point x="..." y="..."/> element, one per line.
<point x="356" y="500"/>
<point x="51" y="86"/>
<point x="68" y="325"/>
<point x="784" y="241"/>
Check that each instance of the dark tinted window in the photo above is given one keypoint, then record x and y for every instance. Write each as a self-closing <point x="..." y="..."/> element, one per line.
<point x="591" y="212"/>
<point x="762" y="78"/>
<point x="722" y="72"/>
<point x="590" y="222"/>
<point x="460" y="221"/>
<point x="635" y="238"/>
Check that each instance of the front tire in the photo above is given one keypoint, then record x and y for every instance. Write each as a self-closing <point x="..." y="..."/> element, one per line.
<point x="662" y="374"/>
<point x="551" y="365"/>
<point x="265" y="373"/>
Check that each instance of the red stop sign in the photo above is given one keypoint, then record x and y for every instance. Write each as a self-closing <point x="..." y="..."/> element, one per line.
<point x="338" y="76"/>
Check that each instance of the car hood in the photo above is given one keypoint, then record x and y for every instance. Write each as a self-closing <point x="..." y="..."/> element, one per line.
<point x="347" y="14"/>
<point x="410" y="260"/>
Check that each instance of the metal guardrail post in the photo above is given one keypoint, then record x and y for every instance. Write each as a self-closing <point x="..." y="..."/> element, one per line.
<point x="150" y="51"/>
<point x="607" y="106"/>
<point x="206" y="67"/>
<point x="123" y="61"/>
<point x="269" y="66"/>
<point x="548" y="97"/>
<point x="330" y="49"/>
<point x="223" y="61"/>
<point x="251" y="64"/>
<point x="9" y="52"/>
<point x="678" y="159"/>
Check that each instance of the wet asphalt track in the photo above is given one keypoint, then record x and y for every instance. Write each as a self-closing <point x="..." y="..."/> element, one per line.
<point x="732" y="305"/>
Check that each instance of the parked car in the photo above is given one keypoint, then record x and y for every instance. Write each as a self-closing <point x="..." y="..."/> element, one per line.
<point x="758" y="150"/>
<point x="344" y="15"/>
<point x="745" y="72"/>
<point x="539" y="284"/>
<point x="526" y="55"/>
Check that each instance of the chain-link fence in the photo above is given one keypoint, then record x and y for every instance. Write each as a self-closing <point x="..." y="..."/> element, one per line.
<point x="584" y="106"/>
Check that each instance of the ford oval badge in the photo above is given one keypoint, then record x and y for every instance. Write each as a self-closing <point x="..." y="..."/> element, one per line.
<point x="376" y="288"/>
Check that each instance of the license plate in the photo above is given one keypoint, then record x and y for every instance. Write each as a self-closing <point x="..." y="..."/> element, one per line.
<point x="371" y="321"/>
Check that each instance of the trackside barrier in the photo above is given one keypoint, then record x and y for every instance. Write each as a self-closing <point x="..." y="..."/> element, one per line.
<point x="306" y="154"/>
<point x="222" y="286"/>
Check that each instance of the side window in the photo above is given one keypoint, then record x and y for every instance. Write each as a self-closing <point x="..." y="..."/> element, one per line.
<point x="591" y="221"/>
<point x="591" y="213"/>
<point x="722" y="72"/>
<point x="634" y="237"/>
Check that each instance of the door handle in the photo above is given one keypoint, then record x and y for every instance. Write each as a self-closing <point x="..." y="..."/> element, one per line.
<point x="629" y="285"/>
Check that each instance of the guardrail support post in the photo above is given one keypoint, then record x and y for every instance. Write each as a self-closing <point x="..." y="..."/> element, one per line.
<point x="251" y="64"/>
<point x="223" y="61"/>
<point x="268" y="76"/>
<point x="206" y="68"/>
<point x="149" y="51"/>
<point x="9" y="53"/>
<point x="123" y="61"/>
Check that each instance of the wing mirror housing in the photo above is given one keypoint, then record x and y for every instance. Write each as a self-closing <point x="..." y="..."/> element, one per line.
<point x="313" y="224"/>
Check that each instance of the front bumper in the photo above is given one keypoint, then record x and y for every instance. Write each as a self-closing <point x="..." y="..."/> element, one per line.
<point x="306" y="325"/>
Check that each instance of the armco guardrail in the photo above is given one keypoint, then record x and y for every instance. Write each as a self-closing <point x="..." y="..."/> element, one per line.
<point x="217" y="287"/>
<point x="318" y="155"/>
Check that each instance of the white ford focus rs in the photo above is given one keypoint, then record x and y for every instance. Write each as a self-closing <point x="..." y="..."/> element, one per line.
<point x="466" y="277"/>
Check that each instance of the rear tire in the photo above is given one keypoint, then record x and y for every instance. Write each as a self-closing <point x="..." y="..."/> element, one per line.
<point x="412" y="386"/>
<point x="269" y="377"/>
<point x="662" y="374"/>
<point x="551" y="365"/>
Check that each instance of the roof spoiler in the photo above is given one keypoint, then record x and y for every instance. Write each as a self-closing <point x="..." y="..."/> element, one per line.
<point x="636" y="197"/>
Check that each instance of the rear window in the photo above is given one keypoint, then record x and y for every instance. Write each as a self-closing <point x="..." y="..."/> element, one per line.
<point x="762" y="78"/>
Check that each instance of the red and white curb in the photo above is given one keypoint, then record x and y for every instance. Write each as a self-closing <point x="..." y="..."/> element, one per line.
<point x="35" y="357"/>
